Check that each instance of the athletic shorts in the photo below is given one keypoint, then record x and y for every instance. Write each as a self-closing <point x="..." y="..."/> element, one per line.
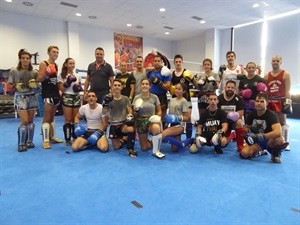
<point x="180" y="124"/>
<point x="52" y="101"/>
<point x="163" y="101"/>
<point x="70" y="100"/>
<point x="115" y="130"/>
<point x="143" y="125"/>
<point x="275" y="105"/>
<point x="202" y="102"/>
<point x="26" y="102"/>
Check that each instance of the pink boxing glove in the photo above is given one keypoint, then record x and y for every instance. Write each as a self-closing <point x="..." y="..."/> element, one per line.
<point x="246" y="93"/>
<point x="233" y="116"/>
<point x="261" y="87"/>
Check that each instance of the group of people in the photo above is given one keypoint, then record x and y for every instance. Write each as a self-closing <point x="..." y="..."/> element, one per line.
<point x="133" y="105"/>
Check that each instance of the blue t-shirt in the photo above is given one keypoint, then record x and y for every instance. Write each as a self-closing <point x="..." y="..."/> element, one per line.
<point x="155" y="89"/>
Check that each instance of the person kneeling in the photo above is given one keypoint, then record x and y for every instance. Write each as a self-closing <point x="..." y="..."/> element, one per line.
<point x="94" y="134"/>
<point x="263" y="132"/>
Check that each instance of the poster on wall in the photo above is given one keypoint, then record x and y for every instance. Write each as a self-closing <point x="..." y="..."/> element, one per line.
<point x="127" y="48"/>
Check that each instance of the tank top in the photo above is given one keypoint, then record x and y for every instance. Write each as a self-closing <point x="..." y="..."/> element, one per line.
<point x="276" y="85"/>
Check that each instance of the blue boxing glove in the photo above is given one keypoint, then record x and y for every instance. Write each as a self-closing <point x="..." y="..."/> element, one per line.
<point x="95" y="136"/>
<point x="79" y="130"/>
<point x="252" y="138"/>
<point x="172" y="118"/>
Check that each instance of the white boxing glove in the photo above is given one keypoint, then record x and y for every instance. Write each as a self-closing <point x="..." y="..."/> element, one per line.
<point x="201" y="82"/>
<point x="116" y="72"/>
<point x="138" y="104"/>
<point x="155" y="119"/>
<point x="200" y="141"/>
<point x="165" y="71"/>
<point x="211" y="79"/>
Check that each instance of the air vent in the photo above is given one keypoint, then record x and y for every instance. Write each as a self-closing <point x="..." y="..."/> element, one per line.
<point x="197" y="18"/>
<point x="69" y="4"/>
<point x="169" y="28"/>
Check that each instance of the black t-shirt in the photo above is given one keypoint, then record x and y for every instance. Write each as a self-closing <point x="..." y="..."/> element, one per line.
<point x="212" y="122"/>
<point x="127" y="80"/>
<point x="235" y="104"/>
<point x="263" y="122"/>
<point x="175" y="80"/>
<point x="251" y="84"/>
<point x="100" y="77"/>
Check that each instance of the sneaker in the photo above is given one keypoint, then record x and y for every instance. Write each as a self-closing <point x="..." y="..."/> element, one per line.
<point x="22" y="148"/>
<point x="30" y="145"/>
<point x="46" y="145"/>
<point x="260" y="153"/>
<point x="218" y="150"/>
<point x="56" y="140"/>
<point x="288" y="148"/>
<point x="276" y="159"/>
<point x="68" y="142"/>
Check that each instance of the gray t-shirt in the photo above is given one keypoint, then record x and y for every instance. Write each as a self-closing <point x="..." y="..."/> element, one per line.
<point x="22" y="76"/>
<point x="208" y="86"/>
<point x="148" y="107"/>
<point x="138" y="81"/>
<point x="178" y="106"/>
<point x="117" y="109"/>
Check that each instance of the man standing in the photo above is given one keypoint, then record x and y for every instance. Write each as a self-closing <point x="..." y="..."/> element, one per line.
<point x="139" y="74"/>
<point x="160" y="78"/>
<point x="99" y="76"/>
<point x="230" y="72"/>
<point x="182" y="75"/>
<point x="127" y="80"/>
<point x="279" y="84"/>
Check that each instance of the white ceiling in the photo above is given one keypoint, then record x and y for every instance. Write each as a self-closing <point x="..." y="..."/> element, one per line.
<point x="115" y="14"/>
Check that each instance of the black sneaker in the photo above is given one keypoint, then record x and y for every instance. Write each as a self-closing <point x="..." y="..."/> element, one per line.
<point x="276" y="158"/>
<point x="218" y="150"/>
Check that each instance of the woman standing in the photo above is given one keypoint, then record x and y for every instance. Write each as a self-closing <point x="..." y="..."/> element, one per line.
<point x="148" y="114"/>
<point x="208" y="84"/>
<point x="69" y="84"/>
<point x="50" y="94"/>
<point x="23" y="80"/>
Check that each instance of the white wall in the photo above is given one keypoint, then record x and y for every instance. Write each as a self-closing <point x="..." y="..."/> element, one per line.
<point x="74" y="40"/>
<point x="192" y="50"/>
<point x="34" y="34"/>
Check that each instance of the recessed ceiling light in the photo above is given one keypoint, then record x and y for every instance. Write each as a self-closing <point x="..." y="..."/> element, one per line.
<point x="92" y="17"/>
<point x="255" y="5"/>
<point x="78" y="14"/>
<point x="129" y="24"/>
<point x="8" y="0"/>
<point x="27" y="3"/>
<point x="162" y="9"/>
<point x="167" y="33"/>
<point x="202" y="21"/>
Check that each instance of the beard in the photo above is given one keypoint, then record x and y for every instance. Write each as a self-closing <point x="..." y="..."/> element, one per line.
<point x="229" y="93"/>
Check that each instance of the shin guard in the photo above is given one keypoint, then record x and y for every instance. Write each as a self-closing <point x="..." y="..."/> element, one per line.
<point x="156" y="141"/>
<point x="285" y="133"/>
<point x="240" y="132"/>
<point x="22" y="133"/>
<point x="46" y="132"/>
<point x="174" y="142"/>
<point x="67" y="131"/>
<point x="189" y="130"/>
<point x="30" y="132"/>
<point x="130" y="140"/>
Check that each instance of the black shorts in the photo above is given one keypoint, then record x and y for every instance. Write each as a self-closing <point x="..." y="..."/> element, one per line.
<point x="163" y="101"/>
<point x="115" y="131"/>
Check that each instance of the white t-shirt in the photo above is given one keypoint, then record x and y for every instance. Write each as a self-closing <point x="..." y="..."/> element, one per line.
<point x="69" y="90"/>
<point x="230" y="75"/>
<point x="93" y="116"/>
